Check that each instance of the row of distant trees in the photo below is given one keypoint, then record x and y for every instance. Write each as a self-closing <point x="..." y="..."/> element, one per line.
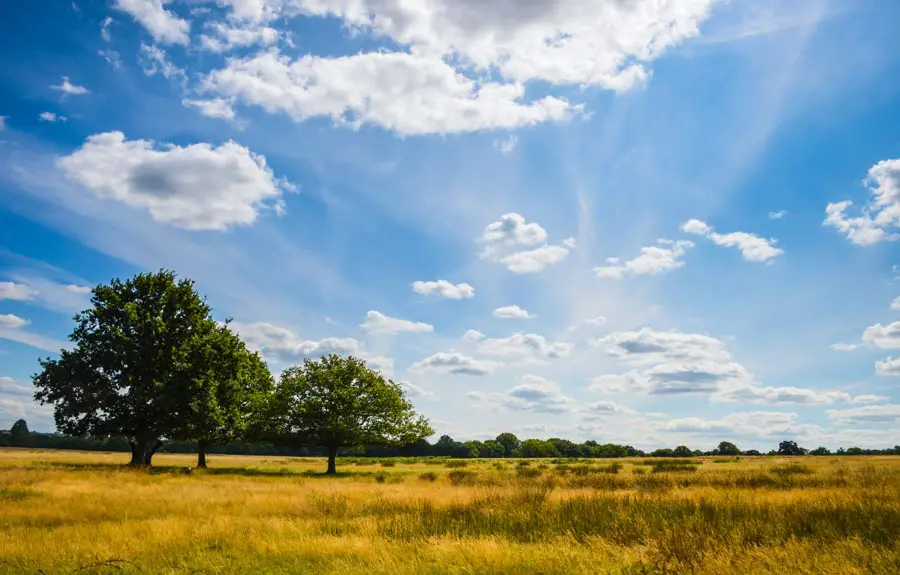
<point x="505" y="445"/>
<point x="150" y="370"/>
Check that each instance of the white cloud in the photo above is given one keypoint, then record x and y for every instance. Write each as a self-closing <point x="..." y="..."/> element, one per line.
<point x="652" y="261"/>
<point x="379" y="323"/>
<point x="753" y="248"/>
<point x="444" y="289"/>
<point x="111" y="57"/>
<point x="506" y="145"/>
<point x="104" y="29"/>
<point x="512" y="230"/>
<point x="879" y="219"/>
<point x="882" y="336"/>
<point x="281" y="345"/>
<point x="79" y="289"/>
<point x="12" y="321"/>
<point x="67" y="87"/>
<point x="785" y="395"/>
<point x="223" y="38"/>
<point x="9" y="388"/>
<point x="3" y="123"/>
<point x="382" y="364"/>
<point x="890" y="367"/>
<point x="895" y="304"/>
<point x="17" y="292"/>
<point x="599" y="320"/>
<point x="11" y="329"/>
<point x="196" y="187"/>
<point x="533" y="393"/>
<point x="777" y="215"/>
<point x="867" y="414"/>
<point x="413" y="391"/>
<point x="409" y="94"/>
<point x="747" y="424"/>
<point x="473" y="335"/>
<point x="214" y="108"/>
<point x="154" y="61"/>
<point x="524" y="345"/>
<point x="558" y="41"/>
<point x="51" y="117"/>
<point x="532" y="261"/>
<point x="870" y="398"/>
<point x="845" y="346"/>
<point x="163" y="25"/>
<point x="512" y="312"/>
<point x="652" y="346"/>
<point x="455" y="363"/>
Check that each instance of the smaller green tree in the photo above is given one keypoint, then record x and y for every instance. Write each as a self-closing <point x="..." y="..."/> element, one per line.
<point x="19" y="435"/>
<point x="790" y="448"/>
<point x="727" y="448"/>
<point x="336" y="402"/>
<point x="510" y="443"/>
<point x="682" y="451"/>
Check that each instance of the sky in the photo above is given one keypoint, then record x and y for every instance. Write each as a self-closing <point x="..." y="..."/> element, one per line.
<point x="650" y="222"/>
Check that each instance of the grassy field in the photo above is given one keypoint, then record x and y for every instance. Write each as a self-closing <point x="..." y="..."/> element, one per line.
<point x="73" y="512"/>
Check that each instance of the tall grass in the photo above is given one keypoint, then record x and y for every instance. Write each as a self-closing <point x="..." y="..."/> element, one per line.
<point x="86" y="514"/>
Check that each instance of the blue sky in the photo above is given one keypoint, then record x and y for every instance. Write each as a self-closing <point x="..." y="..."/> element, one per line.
<point x="598" y="220"/>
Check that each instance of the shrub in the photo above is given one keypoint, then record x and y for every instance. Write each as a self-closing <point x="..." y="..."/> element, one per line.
<point x="388" y="463"/>
<point x="528" y="472"/>
<point x="543" y="466"/>
<point x="663" y="467"/>
<point x="638" y="470"/>
<point x="613" y="468"/>
<point x="524" y="463"/>
<point x="428" y="476"/>
<point x="460" y="477"/>
<point x="790" y="469"/>
<point x="381" y="477"/>
<point x="456" y="464"/>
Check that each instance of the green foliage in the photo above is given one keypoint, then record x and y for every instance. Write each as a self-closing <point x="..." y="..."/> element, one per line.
<point x="19" y="436"/>
<point x="509" y="442"/>
<point x="538" y="448"/>
<point x="429" y="476"/>
<point x="336" y="402"/>
<point x="727" y="448"/>
<point x="131" y="369"/>
<point x="790" y="448"/>
<point x="682" y="451"/>
<point x="455" y="464"/>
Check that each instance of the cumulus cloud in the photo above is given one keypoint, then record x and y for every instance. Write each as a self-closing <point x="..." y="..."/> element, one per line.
<point x="503" y="239"/>
<point x="777" y="215"/>
<point x="213" y="108"/>
<point x="10" y="388"/>
<point x="868" y="414"/>
<point x="882" y="336"/>
<point x="869" y="398"/>
<point x="112" y="58"/>
<point x="444" y="289"/>
<point x="524" y="345"/>
<point x="607" y="44"/>
<point x="67" y="87"/>
<point x="12" y="321"/>
<point x="512" y="312"/>
<point x="890" y="367"/>
<point x="382" y="364"/>
<point x="407" y="93"/>
<point x="653" y="260"/>
<point x="879" y="219"/>
<point x="895" y="304"/>
<point x="532" y="261"/>
<point x="674" y="362"/>
<point x="532" y="393"/>
<point x="753" y="423"/>
<point x="51" y="117"/>
<point x="379" y="323"/>
<point x="753" y="248"/>
<point x="281" y="345"/>
<point x="224" y="37"/>
<point x="473" y="335"/>
<point x="16" y="292"/>
<point x="454" y="363"/>
<point x="414" y="391"/>
<point x="195" y="187"/>
<point x="163" y="25"/>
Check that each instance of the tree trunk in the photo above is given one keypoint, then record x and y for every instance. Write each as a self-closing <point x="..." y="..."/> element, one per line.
<point x="148" y="455"/>
<point x="201" y="455"/>
<point x="332" y="454"/>
<point x="138" y="451"/>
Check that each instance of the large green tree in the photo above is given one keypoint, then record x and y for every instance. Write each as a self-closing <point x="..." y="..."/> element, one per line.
<point x="230" y="386"/>
<point x="19" y="435"/>
<point x="336" y="402"/>
<point x="129" y="372"/>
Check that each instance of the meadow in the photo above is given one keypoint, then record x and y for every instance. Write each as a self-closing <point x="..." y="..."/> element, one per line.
<point x="67" y="512"/>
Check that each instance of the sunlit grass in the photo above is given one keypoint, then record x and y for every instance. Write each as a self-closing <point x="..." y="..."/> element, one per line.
<point x="66" y="512"/>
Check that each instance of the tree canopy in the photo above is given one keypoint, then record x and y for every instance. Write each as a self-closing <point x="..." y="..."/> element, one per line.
<point x="130" y="371"/>
<point x="337" y="402"/>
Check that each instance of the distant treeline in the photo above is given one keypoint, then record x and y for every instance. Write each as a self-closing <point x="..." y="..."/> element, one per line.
<point x="505" y="445"/>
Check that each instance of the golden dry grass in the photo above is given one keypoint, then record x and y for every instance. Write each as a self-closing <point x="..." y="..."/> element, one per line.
<point x="74" y="512"/>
